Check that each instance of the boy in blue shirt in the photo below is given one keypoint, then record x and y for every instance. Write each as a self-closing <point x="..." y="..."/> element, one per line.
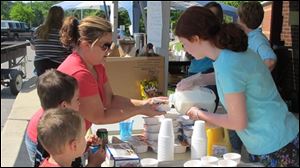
<point x="257" y="41"/>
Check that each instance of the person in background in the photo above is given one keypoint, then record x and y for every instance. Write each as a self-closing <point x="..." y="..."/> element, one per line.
<point x="49" y="52"/>
<point x="98" y="104"/>
<point x="149" y="51"/>
<point x="61" y="132"/>
<point x="255" y="109"/>
<point x="257" y="41"/>
<point x="204" y="65"/>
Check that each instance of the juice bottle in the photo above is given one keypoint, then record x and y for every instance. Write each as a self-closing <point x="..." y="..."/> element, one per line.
<point x="218" y="142"/>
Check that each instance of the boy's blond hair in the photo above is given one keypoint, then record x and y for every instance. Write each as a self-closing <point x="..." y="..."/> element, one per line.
<point x="58" y="127"/>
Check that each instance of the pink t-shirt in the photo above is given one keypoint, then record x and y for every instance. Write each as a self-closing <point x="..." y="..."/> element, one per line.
<point x="32" y="126"/>
<point x="88" y="85"/>
<point x="46" y="163"/>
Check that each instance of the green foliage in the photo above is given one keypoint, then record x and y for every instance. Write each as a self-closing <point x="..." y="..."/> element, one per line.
<point x="32" y="13"/>
<point x="232" y="3"/>
<point x="21" y="12"/>
<point x="174" y="16"/>
<point x="5" y="7"/>
<point x="123" y="19"/>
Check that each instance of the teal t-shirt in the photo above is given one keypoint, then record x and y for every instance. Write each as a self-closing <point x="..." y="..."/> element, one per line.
<point x="200" y="65"/>
<point x="258" y="42"/>
<point x="270" y="125"/>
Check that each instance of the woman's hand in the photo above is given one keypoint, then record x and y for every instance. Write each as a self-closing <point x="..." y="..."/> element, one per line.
<point x="193" y="113"/>
<point x="156" y="100"/>
<point x="151" y="110"/>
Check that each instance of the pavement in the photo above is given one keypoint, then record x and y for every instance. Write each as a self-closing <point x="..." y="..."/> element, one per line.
<point x="13" y="149"/>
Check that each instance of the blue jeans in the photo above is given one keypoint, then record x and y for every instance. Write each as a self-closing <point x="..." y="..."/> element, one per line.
<point x="31" y="148"/>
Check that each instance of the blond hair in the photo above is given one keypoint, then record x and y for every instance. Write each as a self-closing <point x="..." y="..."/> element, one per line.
<point x="90" y="29"/>
<point x="57" y="127"/>
<point x="54" y="20"/>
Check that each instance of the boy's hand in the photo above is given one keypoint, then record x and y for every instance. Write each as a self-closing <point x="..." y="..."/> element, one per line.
<point x="97" y="158"/>
<point x="93" y="140"/>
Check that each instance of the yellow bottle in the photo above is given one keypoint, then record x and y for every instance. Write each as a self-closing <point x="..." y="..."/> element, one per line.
<point x="218" y="142"/>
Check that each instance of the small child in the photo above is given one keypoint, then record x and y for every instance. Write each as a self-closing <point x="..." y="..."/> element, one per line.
<point x="55" y="89"/>
<point x="61" y="131"/>
<point x="250" y="17"/>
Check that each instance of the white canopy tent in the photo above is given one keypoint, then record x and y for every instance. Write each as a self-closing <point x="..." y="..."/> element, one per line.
<point x="92" y="4"/>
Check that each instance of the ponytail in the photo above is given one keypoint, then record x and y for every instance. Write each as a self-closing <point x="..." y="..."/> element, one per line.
<point x="89" y="29"/>
<point x="69" y="34"/>
<point x="231" y="37"/>
<point x="201" y="22"/>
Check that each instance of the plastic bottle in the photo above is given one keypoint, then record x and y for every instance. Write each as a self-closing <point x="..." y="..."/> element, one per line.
<point x="201" y="97"/>
<point x="218" y="142"/>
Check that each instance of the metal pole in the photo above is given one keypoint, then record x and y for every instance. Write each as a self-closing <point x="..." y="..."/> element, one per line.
<point x="106" y="13"/>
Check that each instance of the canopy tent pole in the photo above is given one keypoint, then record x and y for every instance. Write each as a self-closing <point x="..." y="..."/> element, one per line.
<point x="114" y="20"/>
<point x="106" y="12"/>
<point x="158" y="28"/>
<point x="143" y="14"/>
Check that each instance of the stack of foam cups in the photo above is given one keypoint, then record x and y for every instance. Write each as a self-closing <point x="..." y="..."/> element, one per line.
<point x="199" y="140"/>
<point x="165" y="151"/>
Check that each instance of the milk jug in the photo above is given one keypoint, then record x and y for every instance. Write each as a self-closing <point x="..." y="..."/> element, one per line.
<point x="201" y="97"/>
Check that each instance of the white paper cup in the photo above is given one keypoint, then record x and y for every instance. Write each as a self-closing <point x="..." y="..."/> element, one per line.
<point x="166" y="128"/>
<point x="199" y="129"/>
<point x="209" y="160"/>
<point x="192" y="163"/>
<point x="232" y="156"/>
<point x="227" y="163"/>
<point x="149" y="162"/>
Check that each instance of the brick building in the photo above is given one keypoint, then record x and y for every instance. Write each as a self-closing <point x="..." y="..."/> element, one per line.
<point x="281" y="26"/>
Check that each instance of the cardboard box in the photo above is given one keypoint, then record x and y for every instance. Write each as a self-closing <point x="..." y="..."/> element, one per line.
<point x="125" y="74"/>
<point x="121" y="155"/>
<point x="117" y="52"/>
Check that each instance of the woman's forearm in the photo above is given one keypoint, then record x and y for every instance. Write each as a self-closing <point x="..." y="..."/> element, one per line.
<point x="121" y="108"/>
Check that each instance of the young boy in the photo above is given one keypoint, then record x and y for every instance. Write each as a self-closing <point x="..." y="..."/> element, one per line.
<point x="61" y="131"/>
<point x="55" y="89"/>
<point x="250" y="17"/>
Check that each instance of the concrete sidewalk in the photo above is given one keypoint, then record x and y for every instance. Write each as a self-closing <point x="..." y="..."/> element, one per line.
<point x="13" y="149"/>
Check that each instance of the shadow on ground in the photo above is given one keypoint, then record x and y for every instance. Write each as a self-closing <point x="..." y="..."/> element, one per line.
<point x="23" y="158"/>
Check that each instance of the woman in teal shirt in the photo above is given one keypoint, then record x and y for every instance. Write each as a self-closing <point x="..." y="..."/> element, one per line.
<point x="246" y="89"/>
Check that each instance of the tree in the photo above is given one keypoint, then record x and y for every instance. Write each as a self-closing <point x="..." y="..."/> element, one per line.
<point x="5" y="7"/>
<point x="123" y="19"/>
<point x="21" y="12"/>
<point x="235" y="4"/>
